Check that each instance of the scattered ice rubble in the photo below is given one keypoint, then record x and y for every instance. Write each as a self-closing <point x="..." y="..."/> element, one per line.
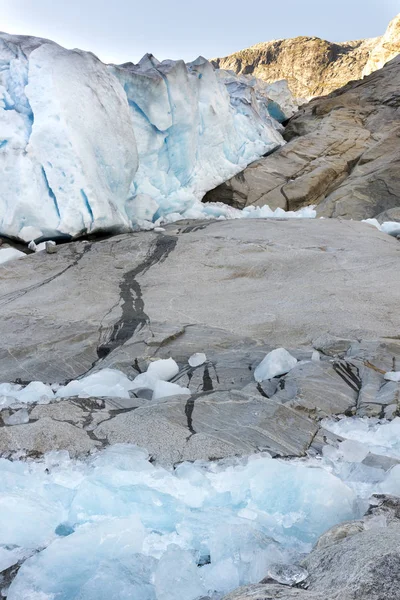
<point x="390" y="227"/>
<point x="109" y="383"/>
<point x="112" y="383"/>
<point x="117" y="526"/>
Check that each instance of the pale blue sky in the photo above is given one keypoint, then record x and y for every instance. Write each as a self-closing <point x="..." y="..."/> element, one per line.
<point x="123" y="30"/>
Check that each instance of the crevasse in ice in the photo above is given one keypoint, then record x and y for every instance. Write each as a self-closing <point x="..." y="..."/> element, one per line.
<point x="85" y="146"/>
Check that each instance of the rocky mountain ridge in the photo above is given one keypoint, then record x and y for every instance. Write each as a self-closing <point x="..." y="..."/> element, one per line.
<point x="312" y="66"/>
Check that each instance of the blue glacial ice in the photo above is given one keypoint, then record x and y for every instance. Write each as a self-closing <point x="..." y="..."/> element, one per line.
<point x="117" y="526"/>
<point x="86" y="146"/>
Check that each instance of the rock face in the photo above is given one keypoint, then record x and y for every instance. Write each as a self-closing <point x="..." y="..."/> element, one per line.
<point x="388" y="47"/>
<point x="315" y="67"/>
<point x="103" y="301"/>
<point x="62" y="320"/>
<point x="88" y="147"/>
<point x="342" y="154"/>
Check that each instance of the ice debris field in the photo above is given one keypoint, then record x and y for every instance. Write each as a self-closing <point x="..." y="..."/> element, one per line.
<point x="116" y="525"/>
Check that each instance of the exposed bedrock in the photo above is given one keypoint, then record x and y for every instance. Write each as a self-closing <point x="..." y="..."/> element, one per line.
<point x="343" y="154"/>
<point x="312" y="66"/>
<point x="222" y="288"/>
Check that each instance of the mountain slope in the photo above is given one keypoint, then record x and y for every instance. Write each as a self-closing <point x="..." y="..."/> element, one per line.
<point x="343" y="154"/>
<point x="312" y="66"/>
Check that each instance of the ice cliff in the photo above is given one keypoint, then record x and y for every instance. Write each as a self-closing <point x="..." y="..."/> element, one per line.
<point x="86" y="147"/>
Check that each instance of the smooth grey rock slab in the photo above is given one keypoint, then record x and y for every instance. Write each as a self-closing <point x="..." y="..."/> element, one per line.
<point x="317" y="388"/>
<point x="251" y="284"/>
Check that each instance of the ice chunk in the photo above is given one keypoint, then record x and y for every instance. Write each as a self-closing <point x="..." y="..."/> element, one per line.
<point x="287" y="574"/>
<point x="392" y="376"/>
<point x="277" y="362"/>
<point x="103" y="383"/>
<point x="237" y="518"/>
<point x="81" y="558"/>
<point x="157" y="371"/>
<point x="8" y="254"/>
<point x="197" y="359"/>
<point x="378" y="436"/>
<point x="17" y="418"/>
<point x="177" y="577"/>
<point x="353" y="451"/>
<point x="11" y="555"/>
<point x="163" y="389"/>
<point x="163" y="369"/>
<point x="34" y="392"/>
<point x="389" y="227"/>
<point x="29" y="233"/>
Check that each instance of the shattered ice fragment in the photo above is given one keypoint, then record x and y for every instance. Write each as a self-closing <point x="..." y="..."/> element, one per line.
<point x="392" y="376"/>
<point x="105" y="383"/>
<point x="20" y="417"/>
<point x="37" y="247"/>
<point x="353" y="451"/>
<point x="35" y="392"/>
<point x="287" y="574"/>
<point x="177" y="577"/>
<point x="389" y="227"/>
<point x="29" y="233"/>
<point x="163" y="369"/>
<point x="163" y="389"/>
<point x="197" y="359"/>
<point x="8" y="254"/>
<point x="277" y="362"/>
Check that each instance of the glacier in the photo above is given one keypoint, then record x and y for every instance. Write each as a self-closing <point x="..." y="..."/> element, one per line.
<point x="87" y="147"/>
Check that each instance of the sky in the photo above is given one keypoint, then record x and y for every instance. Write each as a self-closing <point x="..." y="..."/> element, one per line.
<point x="123" y="30"/>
